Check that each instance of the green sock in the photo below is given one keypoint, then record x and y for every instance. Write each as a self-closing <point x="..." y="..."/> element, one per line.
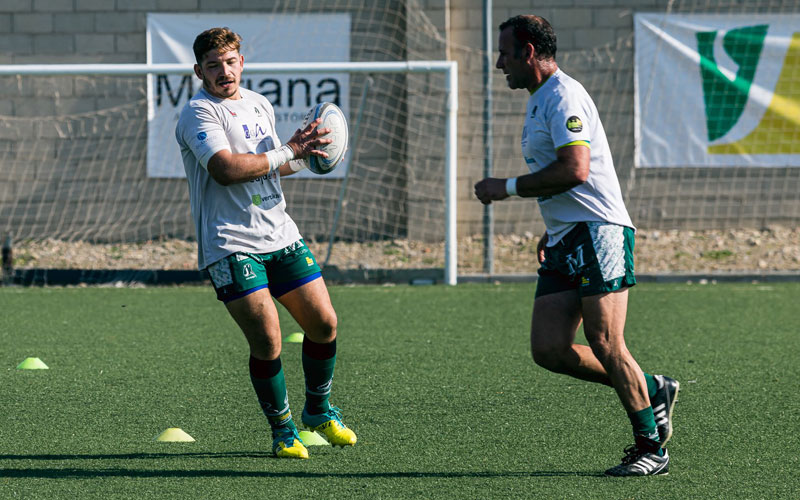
<point x="318" y="374"/>
<point x="270" y="386"/>
<point x="644" y="429"/>
<point x="652" y="386"/>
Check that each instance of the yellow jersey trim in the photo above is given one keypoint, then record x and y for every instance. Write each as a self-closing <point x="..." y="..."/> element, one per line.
<point x="576" y="143"/>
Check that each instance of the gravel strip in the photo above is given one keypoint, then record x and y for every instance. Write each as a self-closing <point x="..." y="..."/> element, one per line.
<point x="736" y="250"/>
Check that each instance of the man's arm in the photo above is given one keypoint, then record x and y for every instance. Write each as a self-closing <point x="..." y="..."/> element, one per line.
<point x="570" y="169"/>
<point x="228" y="168"/>
<point x="291" y="167"/>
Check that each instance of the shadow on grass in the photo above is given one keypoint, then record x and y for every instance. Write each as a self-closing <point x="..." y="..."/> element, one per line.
<point x="88" y="472"/>
<point x="140" y="456"/>
<point x="68" y="473"/>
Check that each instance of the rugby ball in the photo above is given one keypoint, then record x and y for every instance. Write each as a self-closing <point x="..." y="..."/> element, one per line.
<point x="332" y="118"/>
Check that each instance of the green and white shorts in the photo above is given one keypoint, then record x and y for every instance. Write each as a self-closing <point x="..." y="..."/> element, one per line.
<point x="593" y="258"/>
<point x="241" y="273"/>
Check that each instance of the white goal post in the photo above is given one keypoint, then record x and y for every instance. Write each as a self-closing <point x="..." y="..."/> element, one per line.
<point x="448" y="69"/>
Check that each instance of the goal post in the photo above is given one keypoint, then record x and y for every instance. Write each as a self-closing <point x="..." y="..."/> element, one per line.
<point x="448" y="109"/>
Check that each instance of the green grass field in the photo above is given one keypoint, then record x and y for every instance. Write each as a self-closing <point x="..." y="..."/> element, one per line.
<point x="436" y="381"/>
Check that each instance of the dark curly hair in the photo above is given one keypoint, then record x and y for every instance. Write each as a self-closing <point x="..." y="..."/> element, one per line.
<point x="534" y="30"/>
<point x="219" y="39"/>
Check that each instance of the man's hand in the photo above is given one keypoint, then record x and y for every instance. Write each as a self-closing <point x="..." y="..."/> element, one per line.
<point x="491" y="189"/>
<point x="540" y="248"/>
<point x="308" y="141"/>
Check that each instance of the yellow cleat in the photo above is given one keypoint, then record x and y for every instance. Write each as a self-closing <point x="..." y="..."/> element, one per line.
<point x="287" y="444"/>
<point x="330" y="425"/>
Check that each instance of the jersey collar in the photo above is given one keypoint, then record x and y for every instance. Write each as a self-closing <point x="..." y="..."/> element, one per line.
<point x="544" y="81"/>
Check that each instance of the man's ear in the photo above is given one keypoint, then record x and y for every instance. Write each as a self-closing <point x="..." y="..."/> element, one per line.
<point x="198" y="71"/>
<point x="529" y="51"/>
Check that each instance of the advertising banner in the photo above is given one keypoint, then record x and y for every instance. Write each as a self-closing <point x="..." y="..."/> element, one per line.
<point x="717" y="90"/>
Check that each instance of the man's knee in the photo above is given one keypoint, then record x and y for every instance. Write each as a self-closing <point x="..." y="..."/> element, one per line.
<point x="325" y="327"/>
<point x="329" y="326"/>
<point x="547" y="356"/>
<point x="605" y="351"/>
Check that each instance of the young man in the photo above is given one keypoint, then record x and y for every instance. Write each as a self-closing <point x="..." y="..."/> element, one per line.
<point x="586" y="254"/>
<point x="249" y="245"/>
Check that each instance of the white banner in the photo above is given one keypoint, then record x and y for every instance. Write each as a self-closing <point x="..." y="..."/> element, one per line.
<point x="717" y="90"/>
<point x="265" y="38"/>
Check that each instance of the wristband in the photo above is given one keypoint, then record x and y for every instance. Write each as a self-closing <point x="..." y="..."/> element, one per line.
<point x="297" y="165"/>
<point x="278" y="157"/>
<point x="511" y="186"/>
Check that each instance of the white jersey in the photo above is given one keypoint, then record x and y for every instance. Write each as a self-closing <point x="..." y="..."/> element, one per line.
<point x="244" y="217"/>
<point x="561" y="113"/>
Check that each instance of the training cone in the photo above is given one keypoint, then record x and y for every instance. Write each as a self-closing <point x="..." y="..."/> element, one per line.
<point x="32" y="364"/>
<point x="310" y="438"/>
<point x="174" y="435"/>
<point x="294" y="338"/>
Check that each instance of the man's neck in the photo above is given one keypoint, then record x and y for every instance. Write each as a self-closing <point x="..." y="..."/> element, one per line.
<point x="544" y="70"/>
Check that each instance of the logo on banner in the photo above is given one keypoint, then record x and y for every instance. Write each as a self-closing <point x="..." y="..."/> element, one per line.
<point x="725" y="98"/>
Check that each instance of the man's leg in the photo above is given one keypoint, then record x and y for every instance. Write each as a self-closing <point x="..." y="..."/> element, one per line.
<point x="257" y="317"/>
<point x="556" y="318"/>
<point x="555" y="321"/>
<point x="310" y="305"/>
<point x="604" y="326"/>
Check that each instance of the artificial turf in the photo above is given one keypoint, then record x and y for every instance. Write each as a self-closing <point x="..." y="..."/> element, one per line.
<point x="436" y="381"/>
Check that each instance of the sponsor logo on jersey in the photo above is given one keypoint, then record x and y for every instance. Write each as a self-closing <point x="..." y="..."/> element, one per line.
<point x="254" y="133"/>
<point x="256" y="199"/>
<point x="574" y="124"/>
<point x="202" y="136"/>
<point x="309" y="261"/>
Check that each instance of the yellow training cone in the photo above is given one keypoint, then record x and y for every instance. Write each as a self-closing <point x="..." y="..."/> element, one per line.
<point x="32" y="364"/>
<point x="312" y="439"/>
<point x="174" y="435"/>
<point x="294" y="338"/>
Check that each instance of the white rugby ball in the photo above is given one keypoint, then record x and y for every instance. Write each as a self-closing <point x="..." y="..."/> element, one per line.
<point x="332" y="118"/>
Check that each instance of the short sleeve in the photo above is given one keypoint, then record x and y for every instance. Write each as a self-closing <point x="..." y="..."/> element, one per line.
<point x="569" y="123"/>
<point x="200" y="130"/>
